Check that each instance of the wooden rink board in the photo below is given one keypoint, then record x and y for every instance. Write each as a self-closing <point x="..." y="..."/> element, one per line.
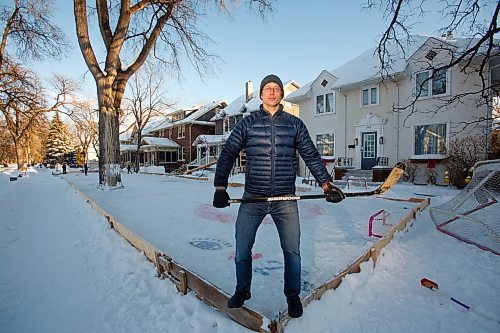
<point x="186" y="280"/>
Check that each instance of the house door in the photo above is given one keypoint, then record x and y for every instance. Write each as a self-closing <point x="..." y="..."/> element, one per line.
<point x="368" y="150"/>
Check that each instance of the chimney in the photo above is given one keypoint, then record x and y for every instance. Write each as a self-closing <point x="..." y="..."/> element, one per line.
<point x="248" y="91"/>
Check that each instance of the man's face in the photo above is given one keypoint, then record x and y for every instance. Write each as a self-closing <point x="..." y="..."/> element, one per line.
<point x="271" y="95"/>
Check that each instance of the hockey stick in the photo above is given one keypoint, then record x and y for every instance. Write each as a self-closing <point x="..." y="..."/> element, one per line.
<point x="392" y="179"/>
<point x="429" y="284"/>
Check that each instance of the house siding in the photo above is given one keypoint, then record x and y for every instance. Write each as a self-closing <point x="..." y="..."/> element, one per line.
<point x="396" y="128"/>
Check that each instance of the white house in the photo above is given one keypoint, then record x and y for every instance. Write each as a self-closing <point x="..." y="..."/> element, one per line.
<point x="356" y="117"/>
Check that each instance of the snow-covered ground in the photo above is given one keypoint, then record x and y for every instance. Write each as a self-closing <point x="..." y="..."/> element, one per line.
<point x="64" y="269"/>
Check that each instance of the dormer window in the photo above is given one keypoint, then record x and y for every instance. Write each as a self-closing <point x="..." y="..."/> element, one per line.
<point x="324" y="83"/>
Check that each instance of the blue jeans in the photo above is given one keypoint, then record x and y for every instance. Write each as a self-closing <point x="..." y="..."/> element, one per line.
<point x="285" y="215"/>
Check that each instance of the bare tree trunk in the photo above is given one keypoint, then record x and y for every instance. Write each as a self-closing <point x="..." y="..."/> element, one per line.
<point x="20" y="157"/>
<point x="138" y="150"/>
<point x="109" y="147"/>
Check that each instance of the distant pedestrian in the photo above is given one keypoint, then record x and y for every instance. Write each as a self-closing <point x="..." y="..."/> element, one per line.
<point x="64" y="168"/>
<point x="129" y="168"/>
<point x="85" y="168"/>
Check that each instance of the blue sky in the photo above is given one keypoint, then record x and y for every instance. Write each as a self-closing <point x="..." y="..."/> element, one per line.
<point x="296" y="42"/>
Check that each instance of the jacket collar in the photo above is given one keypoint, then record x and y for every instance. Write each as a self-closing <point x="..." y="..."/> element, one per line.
<point x="268" y="114"/>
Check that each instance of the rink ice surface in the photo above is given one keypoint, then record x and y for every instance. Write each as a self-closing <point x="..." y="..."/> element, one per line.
<point x="176" y="216"/>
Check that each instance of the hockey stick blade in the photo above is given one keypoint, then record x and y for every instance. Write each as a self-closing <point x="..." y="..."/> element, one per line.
<point x="429" y="284"/>
<point x="392" y="179"/>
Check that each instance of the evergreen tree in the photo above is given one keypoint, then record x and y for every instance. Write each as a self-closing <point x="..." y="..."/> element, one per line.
<point x="58" y="141"/>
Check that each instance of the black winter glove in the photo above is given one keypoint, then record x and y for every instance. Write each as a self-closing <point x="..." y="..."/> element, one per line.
<point x="332" y="193"/>
<point x="221" y="199"/>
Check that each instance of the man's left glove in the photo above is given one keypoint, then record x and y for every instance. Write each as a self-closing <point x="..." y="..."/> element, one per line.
<point x="221" y="198"/>
<point x="332" y="193"/>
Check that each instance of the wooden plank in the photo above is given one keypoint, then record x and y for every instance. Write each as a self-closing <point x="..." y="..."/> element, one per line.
<point x="139" y="243"/>
<point x="183" y="286"/>
<point x="212" y="295"/>
<point x="192" y="177"/>
<point x="230" y="184"/>
<point x="200" y="167"/>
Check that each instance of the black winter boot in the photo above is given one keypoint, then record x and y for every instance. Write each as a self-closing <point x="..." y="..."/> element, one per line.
<point x="237" y="300"/>
<point x="294" y="306"/>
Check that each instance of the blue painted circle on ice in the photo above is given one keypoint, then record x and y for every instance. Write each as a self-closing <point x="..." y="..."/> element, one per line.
<point x="206" y="245"/>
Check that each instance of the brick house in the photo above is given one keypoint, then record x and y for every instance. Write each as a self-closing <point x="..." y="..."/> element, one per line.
<point x="181" y="127"/>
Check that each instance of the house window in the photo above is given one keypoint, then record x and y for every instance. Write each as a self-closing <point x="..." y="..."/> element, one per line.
<point x="431" y="54"/>
<point x="325" y="104"/>
<point x="178" y="116"/>
<point x="226" y="125"/>
<point x="325" y="144"/>
<point x="182" y="155"/>
<point x="427" y="86"/>
<point x="167" y="156"/>
<point x="181" y="131"/>
<point x="430" y="139"/>
<point x="369" y="96"/>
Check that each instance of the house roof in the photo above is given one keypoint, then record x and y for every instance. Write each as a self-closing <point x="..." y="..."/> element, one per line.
<point x="191" y="119"/>
<point x="366" y="66"/>
<point x="207" y="139"/>
<point x="151" y="143"/>
<point x="124" y="147"/>
<point x="156" y="125"/>
<point x="159" y="142"/>
<point x="239" y="105"/>
<point x="125" y="136"/>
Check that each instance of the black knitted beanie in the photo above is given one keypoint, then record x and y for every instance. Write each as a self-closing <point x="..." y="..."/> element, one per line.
<point x="271" y="78"/>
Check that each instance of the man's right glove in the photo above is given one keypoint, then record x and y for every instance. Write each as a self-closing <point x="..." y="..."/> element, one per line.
<point x="221" y="198"/>
<point x="332" y="193"/>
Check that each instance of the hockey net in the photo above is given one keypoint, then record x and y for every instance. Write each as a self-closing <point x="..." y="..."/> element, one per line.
<point x="473" y="215"/>
<point x="378" y="224"/>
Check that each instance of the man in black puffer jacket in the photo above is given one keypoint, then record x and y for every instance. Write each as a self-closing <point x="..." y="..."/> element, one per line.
<point x="270" y="138"/>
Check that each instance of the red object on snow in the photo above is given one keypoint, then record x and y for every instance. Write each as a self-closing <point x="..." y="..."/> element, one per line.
<point x="431" y="164"/>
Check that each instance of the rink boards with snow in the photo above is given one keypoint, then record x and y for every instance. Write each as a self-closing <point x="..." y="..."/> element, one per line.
<point x="182" y="223"/>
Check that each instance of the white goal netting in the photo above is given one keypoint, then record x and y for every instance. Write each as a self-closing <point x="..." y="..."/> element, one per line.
<point x="473" y="216"/>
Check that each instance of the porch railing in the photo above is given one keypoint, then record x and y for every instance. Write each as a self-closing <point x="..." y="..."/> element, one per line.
<point x="202" y="161"/>
<point x="344" y="162"/>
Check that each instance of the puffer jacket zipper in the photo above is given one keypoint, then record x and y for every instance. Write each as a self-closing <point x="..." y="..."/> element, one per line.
<point x="273" y="148"/>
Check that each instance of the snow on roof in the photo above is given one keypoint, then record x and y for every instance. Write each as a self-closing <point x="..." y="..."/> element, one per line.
<point x="208" y="140"/>
<point x="239" y="105"/>
<point x="191" y="119"/>
<point x="124" y="147"/>
<point x="366" y="66"/>
<point x="127" y="136"/>
<point x="156" y="125"/>
<point x="160" y="142"/>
